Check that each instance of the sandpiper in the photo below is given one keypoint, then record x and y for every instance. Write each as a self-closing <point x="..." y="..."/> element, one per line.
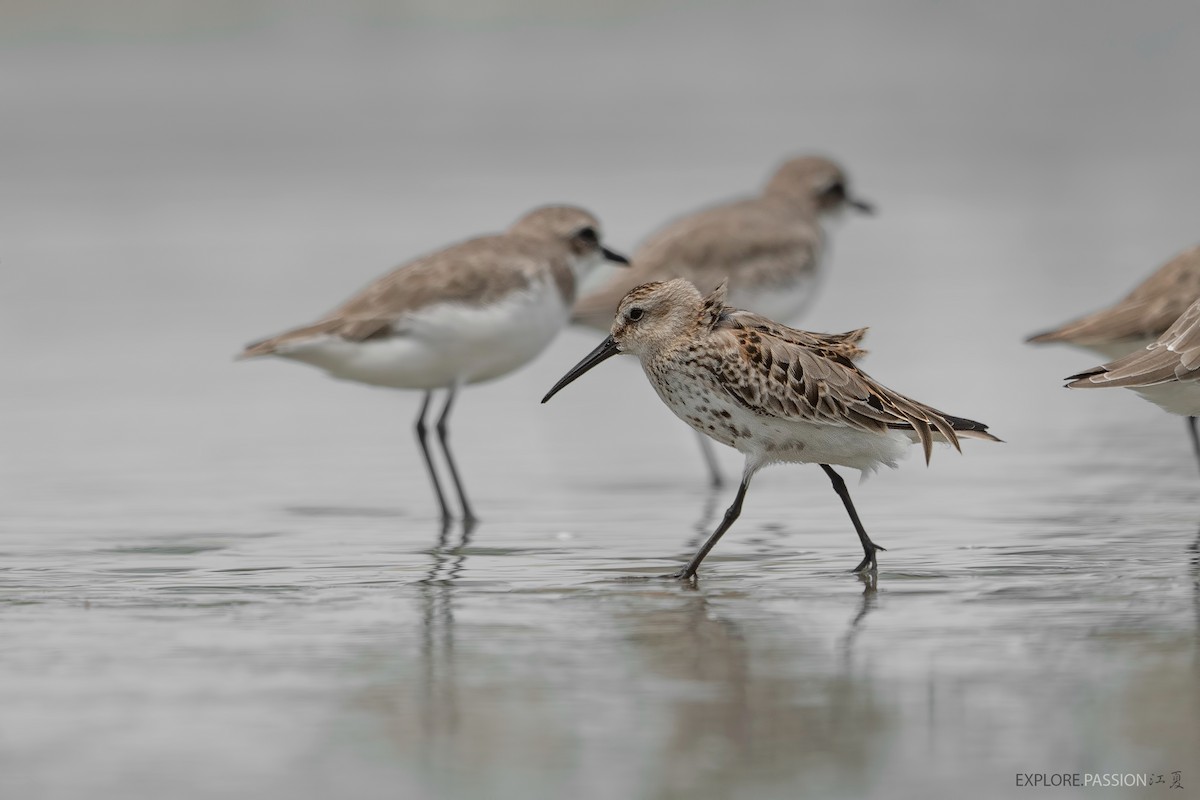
<point x="1166" y="372"/>
<point x="1134" y="323"/>
<point x="471" y="312"/>
<point x="777" y="394"/>
<point x="768" y="247"/>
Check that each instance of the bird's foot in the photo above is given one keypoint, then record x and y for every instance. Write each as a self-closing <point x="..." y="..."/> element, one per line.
<point x="869" y="564"/>
<point x="680" y="575"/>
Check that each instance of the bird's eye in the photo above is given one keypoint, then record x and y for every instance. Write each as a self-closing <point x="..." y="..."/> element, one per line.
<point x="635" y="314"/>
<point x="588" y="235"/>
<point x="835" y="189"/>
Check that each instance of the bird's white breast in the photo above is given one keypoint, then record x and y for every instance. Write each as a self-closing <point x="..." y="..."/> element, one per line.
<point x="784" y="300"/>
<point x="447" y="343"/>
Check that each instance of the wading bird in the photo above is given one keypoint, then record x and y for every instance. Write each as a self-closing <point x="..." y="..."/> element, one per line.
<point x="776" y="394"/>
<point x="770" y="248"/>
<point x="469" y="313"/>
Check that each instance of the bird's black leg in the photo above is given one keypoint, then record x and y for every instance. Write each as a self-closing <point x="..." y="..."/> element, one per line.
<point x="443" y="431"/>
<point x="1191" y="421"/>
<point x="869" y="547"/>
<point x="422" y="435"/>
<point x="731" y="514"/>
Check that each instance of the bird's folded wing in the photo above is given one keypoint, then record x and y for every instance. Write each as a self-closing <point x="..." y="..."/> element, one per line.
<point x="845" y="344"/>
<point x="1145" y="312"/>
<point x="783" y="379"/>
<point x="1173" y="356"/>
<point x="474" y="273"/>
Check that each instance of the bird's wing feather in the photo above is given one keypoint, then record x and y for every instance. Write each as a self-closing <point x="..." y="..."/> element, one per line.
<point x="1173" y="356"/>
<point x="475" y="272"/>
<point x="1146" y="312"/>
<point x="845" y="344"/>
<point x="782" y="377"/>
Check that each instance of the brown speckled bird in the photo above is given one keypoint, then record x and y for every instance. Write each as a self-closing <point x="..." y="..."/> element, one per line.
<point x="770" y="248"/>
<point x="774" y="393"/>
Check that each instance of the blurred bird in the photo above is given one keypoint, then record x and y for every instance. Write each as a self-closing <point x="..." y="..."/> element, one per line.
<point x="776" y="394"/>
<point x="1134" y="323"/>
<point x="769" y="247"/>
<point x="1166" y="372"/>
<point x="471" y="312"/>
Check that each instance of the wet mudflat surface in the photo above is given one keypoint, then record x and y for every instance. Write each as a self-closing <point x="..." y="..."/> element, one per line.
<point x="305" y="649"/>
<point x="224" y="579"/>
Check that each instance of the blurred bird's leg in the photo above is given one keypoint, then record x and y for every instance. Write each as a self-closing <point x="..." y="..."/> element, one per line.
<point x="715" y="479"/>
<point x="1191" y="421"/>
<point x="443" y="435"/>
<point x="422" y="435"/>
<point x="705" y="523"/>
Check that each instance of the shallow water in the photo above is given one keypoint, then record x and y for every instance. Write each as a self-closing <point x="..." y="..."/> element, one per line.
<point x="224" y="579"/>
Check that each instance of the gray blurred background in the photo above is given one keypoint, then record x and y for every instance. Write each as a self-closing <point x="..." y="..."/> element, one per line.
<point x="228" y="578"/>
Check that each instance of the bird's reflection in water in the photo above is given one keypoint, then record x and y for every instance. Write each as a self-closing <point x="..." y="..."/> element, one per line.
<point x="1194" y="547"/>
<point x="439" y="698"/>
<point x="755" y="704"/>
<point x="1158" y="702"/>
<point x="449" y="552"/>
<point x="453" y="709"/>
<point x="870" y="596"/>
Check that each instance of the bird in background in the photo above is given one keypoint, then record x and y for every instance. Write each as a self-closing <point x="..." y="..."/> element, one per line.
<point x="469" y="313"/>
<point x="770" y="248"/>
<point x="1137" y="321"/>
<point x="774" y="393"/>
<point x="1166" y="372"/>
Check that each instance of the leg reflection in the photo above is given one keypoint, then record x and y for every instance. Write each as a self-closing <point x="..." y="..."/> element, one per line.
<point x="439" y="696"/>
<point x="758" y="693"/>
<point x="870" y="595"/>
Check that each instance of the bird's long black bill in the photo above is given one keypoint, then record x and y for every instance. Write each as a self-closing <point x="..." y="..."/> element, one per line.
<point x="861" y="205"/>
<point x="614" y="256"/>
<point x="606" y="350"/>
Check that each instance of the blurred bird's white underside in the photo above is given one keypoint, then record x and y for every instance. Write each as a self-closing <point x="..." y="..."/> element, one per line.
<point x="445" y="344"/>
<point x="786" y="302"/>
<point x="1178" y="397"/>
